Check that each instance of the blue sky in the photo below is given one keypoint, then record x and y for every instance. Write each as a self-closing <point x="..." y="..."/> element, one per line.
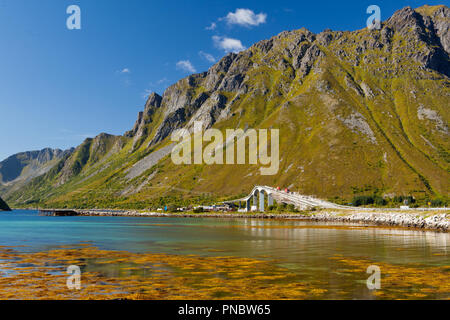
<point x="59" y="86"/>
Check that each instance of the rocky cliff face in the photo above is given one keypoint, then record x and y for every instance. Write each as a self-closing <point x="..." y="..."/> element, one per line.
<point x="21" y="168"/>
<point x="13" y="167"/>
<point x="140" y="129"/>
<point x="91" y="153"/>
<point x="412" y="42"/>
<point x="371" y="102"/>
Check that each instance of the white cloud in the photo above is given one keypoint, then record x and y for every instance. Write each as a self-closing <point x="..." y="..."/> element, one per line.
<point x="186" y="65"/>
<point x="228" y="44"/>
<point x="212" y="26"/>
<point x="162" y="81"/>
<point x="124" y="75"/>
<point x="159" y="84"/>
<point x="207" y="56"/>
<point x="246" y="18"/>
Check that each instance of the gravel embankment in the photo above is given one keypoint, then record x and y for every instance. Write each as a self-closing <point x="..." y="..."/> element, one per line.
<point x="412" y="219"/>
<point x="420" y="220"/>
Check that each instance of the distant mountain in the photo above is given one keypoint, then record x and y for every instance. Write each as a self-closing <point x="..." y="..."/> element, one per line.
<point x="4" y="206"/>
<point x="359" y="112"/>
<point x="22" y="167"/>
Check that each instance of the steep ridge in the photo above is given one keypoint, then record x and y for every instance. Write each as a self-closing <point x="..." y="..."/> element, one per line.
<point x="19" y="169"/>
<point x="370" y="102"/>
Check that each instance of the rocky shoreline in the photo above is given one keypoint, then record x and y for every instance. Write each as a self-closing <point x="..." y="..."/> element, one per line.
<point x="434" y="220"/>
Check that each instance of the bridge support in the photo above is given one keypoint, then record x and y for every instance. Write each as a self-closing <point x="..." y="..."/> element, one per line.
<point x="261" y="201"/>
<point x="296" y="199"/>
<point x="269" y="200"/>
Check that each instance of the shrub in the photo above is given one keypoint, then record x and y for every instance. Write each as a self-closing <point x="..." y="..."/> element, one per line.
<point x="401" y="199"/>
<point x="281" y="207"/>
<point x="291" y="208"/>
<point x="362" y="201"/>
<point x="380" y="201"/>
<point x="437" y="203"/>
<point x="411" y="199"/>
<point x="198" y="210"/>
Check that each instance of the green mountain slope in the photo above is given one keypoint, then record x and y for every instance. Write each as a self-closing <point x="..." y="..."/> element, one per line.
<point x="358" y="112"/>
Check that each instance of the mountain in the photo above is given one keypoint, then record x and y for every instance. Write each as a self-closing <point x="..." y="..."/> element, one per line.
<point x="359" y="112"/>
<point x="4" y="206"/>
<point x="19" y="169"/>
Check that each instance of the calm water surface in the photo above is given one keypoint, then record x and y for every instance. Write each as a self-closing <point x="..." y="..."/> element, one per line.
<point x="303" y="247"/>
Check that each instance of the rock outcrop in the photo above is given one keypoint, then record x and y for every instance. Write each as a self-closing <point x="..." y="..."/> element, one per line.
<point x="4" y="206"/>
<point x="19" y="169"/>
<point x="33" y="162"/>
<point x="294" y="54"/>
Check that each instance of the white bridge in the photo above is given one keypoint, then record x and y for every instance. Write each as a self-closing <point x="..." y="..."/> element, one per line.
<point x="299" y="201"/>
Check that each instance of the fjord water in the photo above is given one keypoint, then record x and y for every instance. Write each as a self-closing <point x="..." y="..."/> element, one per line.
<point x="306" y="248"/>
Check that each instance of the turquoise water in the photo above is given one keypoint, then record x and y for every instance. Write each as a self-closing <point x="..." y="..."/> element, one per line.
<point x="290" y="241"/>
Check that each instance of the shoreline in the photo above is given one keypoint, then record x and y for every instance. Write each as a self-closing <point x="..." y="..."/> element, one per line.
<point x="415" y="219"/>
